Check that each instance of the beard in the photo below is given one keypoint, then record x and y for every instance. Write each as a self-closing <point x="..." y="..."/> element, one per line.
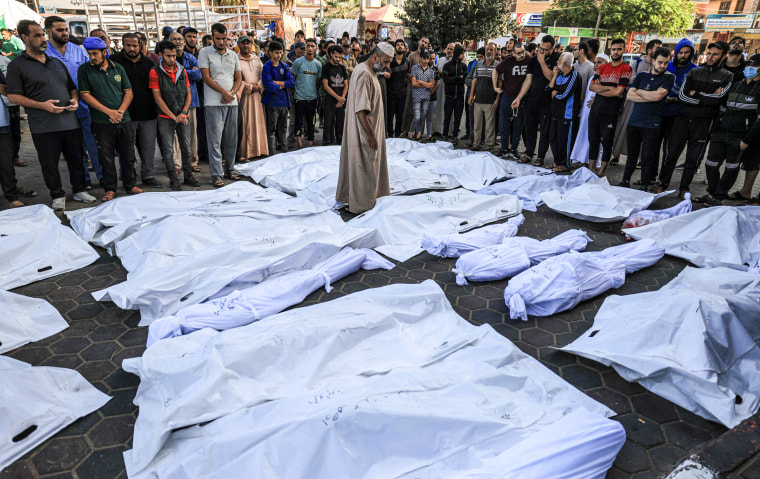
<point x="60" y="40"/>
<point x="132" y="54"/>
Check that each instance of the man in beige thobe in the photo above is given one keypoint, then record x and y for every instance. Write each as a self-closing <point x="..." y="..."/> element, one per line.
<point x="363" y="175"/>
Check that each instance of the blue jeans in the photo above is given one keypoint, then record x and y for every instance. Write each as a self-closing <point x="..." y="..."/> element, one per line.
<point x="420" y="108"/>
<point x="145" y="140"/>
<point x="429" y="116"/>
<point x="85" y="122"/>
<point x="511" y="124"/>
<point x="221" y="134"/>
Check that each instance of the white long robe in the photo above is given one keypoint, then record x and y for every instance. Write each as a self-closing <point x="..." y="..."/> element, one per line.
<point x="580" y="150"/>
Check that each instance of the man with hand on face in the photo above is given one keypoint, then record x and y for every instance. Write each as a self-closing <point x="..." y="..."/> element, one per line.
<point x="699" y="101"/>
<point x="647" y="92"/>
<point x="142" y="110"/>
<point x="73" y="57"/>
<point x="43" y="86"/>
<point x="220" y="68"/>
<point x="307" y="72"/>
<point x="335" y="84"/>
<point x="513" y="70"/>
<point x="537" y="99"/>
<point x="105" y="86"/>
<point x="170" y="88"/>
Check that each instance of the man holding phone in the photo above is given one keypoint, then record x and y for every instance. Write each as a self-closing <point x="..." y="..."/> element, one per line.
<point x="44" y="87"/>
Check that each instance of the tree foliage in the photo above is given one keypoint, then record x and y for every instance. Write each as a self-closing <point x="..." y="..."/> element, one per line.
<point x="666" y="17"/>
<point x="445" y="21"/>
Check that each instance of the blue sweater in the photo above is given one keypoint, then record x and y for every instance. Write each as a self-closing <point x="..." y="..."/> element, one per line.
<point x="275" y="96"/>
<point x="189" y="62"/>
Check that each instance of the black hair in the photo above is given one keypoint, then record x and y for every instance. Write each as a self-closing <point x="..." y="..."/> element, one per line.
<point x="722" y="46"/>
<point x="661" y="52"/>
<point x="189" y="30"/>
<point x="335" y="48"/>
<point x="530" y="48"/>
<point x="95" y="30"/>
<point x="299" y="32"/>
<point x="481" y="51"/>
<point x="517" y="45"/>
<point x="548" y="39"/>
<point x="583" y="46"/>
<point x="131" y="35"/>
<point x="651" y="44"/>
<point x="738" y="38"/>
<point x="593" y="46"/>
<point x="218" y="28"/>
<point x="617" y="41"/>
<point x="206" y="37"/>
<point x="49" y="21"/>
<point x="164" y="45"/>
<point x="23" y="27"/>
<point x="399" y="40"/>
<point x="275" y="46"/>
<point x="311" y="40"/>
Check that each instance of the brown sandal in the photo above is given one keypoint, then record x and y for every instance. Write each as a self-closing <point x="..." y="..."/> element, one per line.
<point x="108" y="196"/>
<point x="196" y="169"/>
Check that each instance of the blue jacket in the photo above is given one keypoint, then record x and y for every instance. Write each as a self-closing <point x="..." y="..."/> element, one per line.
<point x="189" y="62"/>
<point x="671" y="107"/>
<point x="275" y="96"/>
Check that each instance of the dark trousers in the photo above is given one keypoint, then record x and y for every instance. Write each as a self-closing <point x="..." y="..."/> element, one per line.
<point x="537" y="116"/>
<point x="15" y="116"/>
<point x="200" y="126"/>
<point x="665" y="131"/>
<point x="468" y="115"/>
<point x="646" y="142"/>
<point x="395" y="112"/>
<point x="111" y="138"/>
<point x="601" y="132"/>
<point x="7" y="170"/>
<point x="277" y="127"/>
<point x="305" y="111"/>
<point x="332" y="133"/>
<point x="49" y="148"/>
<point x="511" y="124"/>
<point x="562" y="139"/>
<point x="453" y="106"/>
<point x="145" y="140"/>
<point x="166" y="131"/>
<point x="690" y="133"/>
<point x="724" y="146"/>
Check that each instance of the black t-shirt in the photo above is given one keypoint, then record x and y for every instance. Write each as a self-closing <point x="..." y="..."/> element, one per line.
<point x="649" y="114"/>
<point x="538" y="88"/>
<point x="42" y="82"/>
<point x="336" y="76"/>
<point x="398" y="82"/>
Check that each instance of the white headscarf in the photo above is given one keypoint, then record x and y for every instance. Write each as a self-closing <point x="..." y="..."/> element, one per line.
<point x="603" y="56"/>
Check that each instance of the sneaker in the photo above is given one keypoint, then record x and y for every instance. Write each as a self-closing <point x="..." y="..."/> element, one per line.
<point x="84" y="197"/>
<point x="174" y="184"/>
<point x="191" y="181"/>
<point x="152" y="182"/>
<point x="59" y="204"/>
<point x="680" y="166"/>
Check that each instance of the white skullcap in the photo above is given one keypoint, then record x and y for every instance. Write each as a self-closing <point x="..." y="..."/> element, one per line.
<point x="386" y="48"/>
<point x="603" y="56"/>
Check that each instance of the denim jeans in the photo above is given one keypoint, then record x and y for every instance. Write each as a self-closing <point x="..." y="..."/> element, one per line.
<point x="511" y="124"/>
<point x="166" y="130"/>
<point x="221" y="132"/>
<point x="420" y="108"/>
<point x="277" y="125"/>
<point x="85" y="123"/>
<point x="110" y="138"/>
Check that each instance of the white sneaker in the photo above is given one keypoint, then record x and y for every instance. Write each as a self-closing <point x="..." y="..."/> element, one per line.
<point x="84" y="197"/>
<point x="59" y="204"/>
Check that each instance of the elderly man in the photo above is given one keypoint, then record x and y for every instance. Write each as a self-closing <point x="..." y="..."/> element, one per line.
<point x="363" y="175"/>
<point x="566" y="87"/>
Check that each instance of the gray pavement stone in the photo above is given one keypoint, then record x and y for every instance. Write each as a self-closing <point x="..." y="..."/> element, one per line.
<point x="101" y="336"/>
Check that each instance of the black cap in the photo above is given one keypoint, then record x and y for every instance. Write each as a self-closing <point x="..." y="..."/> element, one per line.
<point x="299" y="45"/>
<point x="754" y="59"/>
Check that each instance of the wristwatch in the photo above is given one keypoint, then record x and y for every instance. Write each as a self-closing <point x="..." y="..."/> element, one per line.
<point x="184" y="112"/>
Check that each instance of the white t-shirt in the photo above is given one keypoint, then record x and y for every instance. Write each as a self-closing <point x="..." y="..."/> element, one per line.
<point x="221" y="68"/>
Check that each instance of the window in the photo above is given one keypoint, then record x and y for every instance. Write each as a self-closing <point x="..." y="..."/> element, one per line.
<point x="739" y="8"/>
<point x="725" y="7"/>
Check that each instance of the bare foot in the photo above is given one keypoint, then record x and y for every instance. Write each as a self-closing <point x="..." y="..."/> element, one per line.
<point x="15" y="204"/>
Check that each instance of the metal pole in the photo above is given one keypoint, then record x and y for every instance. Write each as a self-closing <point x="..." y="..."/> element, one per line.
<point x="187" y="9"/>
<point x="134" y="16"/>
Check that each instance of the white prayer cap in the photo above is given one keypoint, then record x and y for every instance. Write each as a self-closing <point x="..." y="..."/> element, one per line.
<point x="386" y="48"/>
<point x="603" y="56"/>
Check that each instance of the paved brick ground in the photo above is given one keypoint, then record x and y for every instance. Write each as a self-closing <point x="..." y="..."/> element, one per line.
<point x="100" y="336"/>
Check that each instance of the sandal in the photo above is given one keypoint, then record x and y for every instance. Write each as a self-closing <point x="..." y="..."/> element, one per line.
<point x="25" y="192"/>
<point x="15" y="204"/>
<point x="196" y="169"/>
<point x="524" y="159"/>
<point x="217" y="181"/>
<point x="232" y="176"/>
<point x="751" y="202"/>
<point x="108" y="196"/>
<point x="243" y="160"/>
<point x="708" y="200"/>
<point x="561" y="169"/>
<point x="20" y="162"/>
<point x="539" y="163"/>
<point x="737" y="196"/>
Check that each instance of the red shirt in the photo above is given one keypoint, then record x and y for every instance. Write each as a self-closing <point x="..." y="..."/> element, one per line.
<point x="153" y="81"/>
<point x="608" y="75"/>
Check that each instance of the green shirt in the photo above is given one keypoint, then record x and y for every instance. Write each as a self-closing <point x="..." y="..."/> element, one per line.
<point x="107" y="86"/>
<point x="14" y="46"/>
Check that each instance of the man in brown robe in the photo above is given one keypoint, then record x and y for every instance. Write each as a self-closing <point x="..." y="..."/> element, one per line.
<point x="363" y="175"/>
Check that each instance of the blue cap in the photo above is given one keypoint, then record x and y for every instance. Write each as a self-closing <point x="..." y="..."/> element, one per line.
<point x="95" y="43"/>
<point x="166" y="31"/>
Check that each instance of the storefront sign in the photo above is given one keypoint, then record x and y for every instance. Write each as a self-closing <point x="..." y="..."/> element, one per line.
<point x="724" y="23"/>
<point x="695" y="38"/>
<point x="572" y="32"/>
<point x="529" y="19"/>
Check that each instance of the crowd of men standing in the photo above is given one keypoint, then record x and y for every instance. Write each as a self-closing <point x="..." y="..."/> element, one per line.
<point x="224" y="104"/>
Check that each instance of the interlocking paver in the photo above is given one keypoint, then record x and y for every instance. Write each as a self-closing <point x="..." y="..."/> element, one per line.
<point x="101" y="336"/>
